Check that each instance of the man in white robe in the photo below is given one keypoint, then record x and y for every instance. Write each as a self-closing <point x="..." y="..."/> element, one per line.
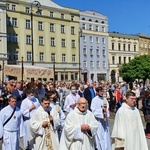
<point x="11" y="131"/>
<point x="128" y="132"/>
<point x="79" y="129"/>
<point x="28" y="106"/>
<point x="42" y="126"/>
<point x="71" y="100"/>
<point x="100" y="109"/>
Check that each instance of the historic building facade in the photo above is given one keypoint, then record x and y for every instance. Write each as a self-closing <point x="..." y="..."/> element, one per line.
<point x="93" y="46"/>
<point x="122" y="48"/>
<point x="55" y="36"/>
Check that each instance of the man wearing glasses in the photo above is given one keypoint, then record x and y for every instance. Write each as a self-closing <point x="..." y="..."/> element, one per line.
<point x="128" y="132"/>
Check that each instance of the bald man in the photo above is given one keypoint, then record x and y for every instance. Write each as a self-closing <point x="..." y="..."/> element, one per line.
<point x="79" y="129"/>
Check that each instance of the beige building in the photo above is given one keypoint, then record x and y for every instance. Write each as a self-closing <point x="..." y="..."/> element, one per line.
<point x="122" y="48"/>
<point x="144" y="44"/>
<point x="3" y="37"/>
<point x="55" y="36"/>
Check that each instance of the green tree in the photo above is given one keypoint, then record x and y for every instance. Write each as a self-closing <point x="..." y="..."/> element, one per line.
<point x="137" y="68"/>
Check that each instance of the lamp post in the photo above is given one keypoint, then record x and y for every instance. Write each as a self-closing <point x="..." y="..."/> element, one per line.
<point x="38" y="5"/>
<point x="22" y="71"/>
<point x="80" y="35"/>
<point x="53" y="60"/>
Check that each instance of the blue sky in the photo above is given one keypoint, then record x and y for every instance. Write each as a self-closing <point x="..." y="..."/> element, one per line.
<point x="124" y="16"/>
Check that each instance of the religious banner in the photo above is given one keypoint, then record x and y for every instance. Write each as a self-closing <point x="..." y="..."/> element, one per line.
<point x="29" y="71"/>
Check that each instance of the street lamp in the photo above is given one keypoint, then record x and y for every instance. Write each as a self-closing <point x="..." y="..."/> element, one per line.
<point x="38" y="5"/>
<point x="53" y="60"/>
<point x="80" y="35"/>
<point x="22" y="71"/>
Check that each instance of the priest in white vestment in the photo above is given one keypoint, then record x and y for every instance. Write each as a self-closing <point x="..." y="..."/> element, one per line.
<point x="79" y="129"/>
<point x="128" y="132"/>
<point x="11" y="129"/>
<point x="100" y="109"/>
<point x="44" y="136"/>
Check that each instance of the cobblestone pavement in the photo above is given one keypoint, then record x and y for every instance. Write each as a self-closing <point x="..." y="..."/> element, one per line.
<point x="111" y="122"/>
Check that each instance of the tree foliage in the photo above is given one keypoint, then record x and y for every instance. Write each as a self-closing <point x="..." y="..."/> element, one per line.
<point x="137" y="68"/>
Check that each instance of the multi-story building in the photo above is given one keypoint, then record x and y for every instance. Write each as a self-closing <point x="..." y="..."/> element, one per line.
<point x="93" y="46"/>
<point x="55" y="36"/>
<point x="144" y="44"/>
<point x="122" y="48"/>
<point x="3" y="35"/>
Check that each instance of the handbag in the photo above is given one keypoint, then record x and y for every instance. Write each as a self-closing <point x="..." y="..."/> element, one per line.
<point x="147" y="118"/>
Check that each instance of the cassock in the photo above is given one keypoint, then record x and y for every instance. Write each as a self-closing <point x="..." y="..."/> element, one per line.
<point x="13" y="129"/>
<point x="72" y="137"/>
<point x="43" y="138"/>
<point x="128" y="129"/>
<point x="103" y="141"/>
<point x="25" y="105"/>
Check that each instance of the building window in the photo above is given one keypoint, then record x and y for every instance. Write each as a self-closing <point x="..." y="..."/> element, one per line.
<point x="53" y="57"/>
<point x="14" y="22"/>
<point x="7" y="6"/>
<point x="28" y="39"/>
<point x="8" y="37"/>
<point x="15" y="38"/>
<point x="128" y="47"/>
<point x="96" y="28"/>
<point x="119" y="46"/>
<point x="91" y="64"/>
<point x="113" y="46"/>
<point x="13" y="7"/>
<point x="15" y="56"/>
<point x="97" y="39"/>
<point x="134" y="48"/>
<point x="124" y="59"/>
<point x="72" y="18"/>
<point x="62" y="16"/>
<point x="119" y="60"/>
<point x="41" y="56"/>
<point x="27" y="10"/>
<point x="51" y="27"/>
<point x="8" y="21"/>
<point x="28" y="56"/>
<point x="91" y="52"/>
<point x="51" y="14"/>
<point x="62" y="29"/>
<point x="72" y="30"/>
<point x="63" y="42"/>
<point x="41" y="40"/>
<point x="73" y="58"/>
<point x="103" y="40"/>
<point x="85" y="64"/>
<point x="129" y="59"/>
<point x="91" y="39"/>
<point x="28" y="26"/>
<point x="104" y="52"/>
<point x="103" y="29"/>
<point x="40" y="25"/>
<point x="124" y="47"/>
<point x="98" y="64"/>
<point x="52" y="41"/>
<point x="104" y="64"/>
<point x="113" y="59"/>
<point x="83" y="26"/>
<point x="84" y="39"/>
<point x="84" y="51"/>
<point x="97" y="52"/>
<point x="90" y="27"/>
<point x="73" y="43"/>
<point x="63" y="57"/>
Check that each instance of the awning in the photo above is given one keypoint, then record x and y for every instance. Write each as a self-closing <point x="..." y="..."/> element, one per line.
<point x="29" y="71"/>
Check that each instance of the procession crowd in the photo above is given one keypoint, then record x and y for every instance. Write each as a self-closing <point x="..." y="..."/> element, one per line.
<point x="73" y="115"/>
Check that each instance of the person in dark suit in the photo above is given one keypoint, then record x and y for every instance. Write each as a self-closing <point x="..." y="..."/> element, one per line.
<point x="89" y="94"/>
<point x="18" y="94"/>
